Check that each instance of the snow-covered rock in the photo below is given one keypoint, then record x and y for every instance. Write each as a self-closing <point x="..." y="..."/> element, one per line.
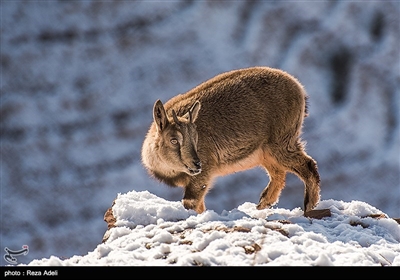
<point x="152" y="231"/>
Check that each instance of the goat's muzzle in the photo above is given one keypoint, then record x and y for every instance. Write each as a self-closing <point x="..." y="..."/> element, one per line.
<point x="195" y="171"/>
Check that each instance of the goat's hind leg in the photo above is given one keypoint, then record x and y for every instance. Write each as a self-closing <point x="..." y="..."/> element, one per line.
<point x="305" y="167"/>
<point x="312" y="185"/>
<point x="271" y="193"/>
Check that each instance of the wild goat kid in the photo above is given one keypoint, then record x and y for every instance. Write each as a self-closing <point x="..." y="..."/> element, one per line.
<point x="235" y="121"/>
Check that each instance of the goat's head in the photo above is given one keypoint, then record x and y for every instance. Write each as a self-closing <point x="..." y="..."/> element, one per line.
<point x="177" y="139"/>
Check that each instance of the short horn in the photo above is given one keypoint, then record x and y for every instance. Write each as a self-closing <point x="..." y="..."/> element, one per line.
<point x="175" y="118"/>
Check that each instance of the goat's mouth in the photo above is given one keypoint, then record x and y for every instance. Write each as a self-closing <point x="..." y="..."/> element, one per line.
<point x="192" y="171"/>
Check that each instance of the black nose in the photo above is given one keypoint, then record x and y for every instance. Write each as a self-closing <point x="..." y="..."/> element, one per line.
<point x="197" y="164"/>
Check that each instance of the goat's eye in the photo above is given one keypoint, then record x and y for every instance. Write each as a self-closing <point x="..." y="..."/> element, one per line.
<point x="174" y="141"/>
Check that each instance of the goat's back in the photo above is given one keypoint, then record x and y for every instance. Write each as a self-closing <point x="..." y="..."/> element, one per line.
<point x="242" y="108"/>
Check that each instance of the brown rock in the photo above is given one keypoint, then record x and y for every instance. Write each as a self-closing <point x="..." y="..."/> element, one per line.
<point x="110" y="220"/>
<point x="318" y="214"/>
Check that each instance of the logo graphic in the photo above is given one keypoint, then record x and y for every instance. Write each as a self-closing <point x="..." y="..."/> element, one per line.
<point x="9" y="257"/>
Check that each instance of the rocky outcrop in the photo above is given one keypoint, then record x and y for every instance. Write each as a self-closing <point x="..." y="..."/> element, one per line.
<point x="110" y="220"/>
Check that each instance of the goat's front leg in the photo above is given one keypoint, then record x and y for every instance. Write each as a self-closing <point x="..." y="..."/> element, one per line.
<point x="195" y="193"/>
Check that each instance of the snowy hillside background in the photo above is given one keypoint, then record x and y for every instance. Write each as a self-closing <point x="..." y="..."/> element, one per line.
<point x="79" y="79"/>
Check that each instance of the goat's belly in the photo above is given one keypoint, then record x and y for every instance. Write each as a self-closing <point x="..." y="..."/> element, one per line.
<point x="253" y="160"/>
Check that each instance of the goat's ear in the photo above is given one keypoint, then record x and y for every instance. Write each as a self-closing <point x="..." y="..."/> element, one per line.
<point x="159" y="115"/>
<point x="194" y="111"/>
